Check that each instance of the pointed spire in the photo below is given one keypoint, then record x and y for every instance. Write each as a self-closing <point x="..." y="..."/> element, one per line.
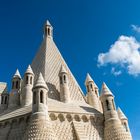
<point x="105" y="90"/>
<point x="62" y="69"/>
<point x="89" y="79"/>
<point x="17" y="74"/>
<point x="48" y="23"/>
<point x="40" y="82"/>
<point x="121" y="114"/>
<point x="29" y="70"/>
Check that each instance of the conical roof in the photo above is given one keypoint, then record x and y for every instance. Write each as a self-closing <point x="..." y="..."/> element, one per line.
<point x="17" y="74"/>
<point x="48" y="61"/>
<point x="121" y="114"/>
<point x="105" y="90"/>
<point x="89" y="79"/>
<point x="40" y="82"/>
<point x="62" y="69"/>
<point x="48" y="23"/>
<point x="29" y="70"/>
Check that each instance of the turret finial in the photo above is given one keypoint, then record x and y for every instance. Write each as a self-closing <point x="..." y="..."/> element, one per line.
<point x="17" y="74"/>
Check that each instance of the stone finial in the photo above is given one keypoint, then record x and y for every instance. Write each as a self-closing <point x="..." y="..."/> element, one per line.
<point x="29" y="70"/>
<point x="62" y="70"/>
<point x="121" y="114"/>
<point x="17" y="74"/>
<point x="40" y="82"/>
<point x="105" y="90"/>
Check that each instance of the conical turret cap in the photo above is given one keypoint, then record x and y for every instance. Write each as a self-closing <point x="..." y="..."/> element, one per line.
<point x="48" y="23"/>
<point x="17" y="74"/>
<point x="40" y="82"/>
<point x="105" y="90"/>
<point x="62" y="69"/>
<point x="29" y="70"/>
<point x="89" y="79"/>
<point x="121" y="114"/>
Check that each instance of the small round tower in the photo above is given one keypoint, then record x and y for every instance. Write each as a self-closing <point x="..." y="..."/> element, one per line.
<point x="64" y="87"/>
<point x="92" y="93"/>
<point x="14" y="96"/>
<point x="40" y="126"/>
<point x="113" y="129"/>
<point x="26" y="93"/>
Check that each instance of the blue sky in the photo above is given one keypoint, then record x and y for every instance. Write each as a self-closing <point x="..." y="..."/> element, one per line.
<point x="95" y="36"/>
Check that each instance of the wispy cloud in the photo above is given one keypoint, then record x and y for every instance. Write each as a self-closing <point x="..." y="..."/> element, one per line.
<point x="123" y="53"/>
<point x="115" y="72"/>
<point x="136" y="28"/>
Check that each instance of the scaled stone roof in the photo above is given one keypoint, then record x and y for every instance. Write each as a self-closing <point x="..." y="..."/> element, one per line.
<point x="48" y="61"/>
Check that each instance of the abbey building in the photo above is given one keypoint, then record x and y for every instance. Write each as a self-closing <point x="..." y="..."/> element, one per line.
<point x="48" y="104"/>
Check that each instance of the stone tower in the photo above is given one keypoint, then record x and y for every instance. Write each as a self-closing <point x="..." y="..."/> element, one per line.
<point x="64" y="87"/>
<point x="92" y="93"/>
<point x="113" y="129"/>
<point x="14" y="97"/>
<point x="40" y="126"/>
<point x="26" y="93"/>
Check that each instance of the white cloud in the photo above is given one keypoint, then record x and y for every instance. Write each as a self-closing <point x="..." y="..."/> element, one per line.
<point x="116" y="73"/>
<point x="124" y="53"/>
<point x="136" y="28"/>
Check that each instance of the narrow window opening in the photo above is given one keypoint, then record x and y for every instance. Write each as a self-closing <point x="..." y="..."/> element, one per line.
<point x="41" y="96"/>
<point x="27" y="78"/>
<point x="34" y="98"/>
<point x="64" y="78"/>
<point x="87" y="88"/>
<point x="107" y="104"/>
<point x="49" y="31"/>
<point x="16" y="84"/>
<point x="31" y="80"/>
<point x="5" y="100"/>
<point x="91" y="87"/>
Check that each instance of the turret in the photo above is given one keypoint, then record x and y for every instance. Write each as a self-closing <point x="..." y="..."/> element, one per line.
<point x="64" y="87"/>
<point x="48" y="31"/>
<point x="4" y="100"/>
<point x="14" y="97"/>
<point x="113" y="129"/>
<point x="107" y="99"/>
<point x="26" y="94"/>
<point x="123" y="119"/>
<point x="40" y="96"/>
<point x="92" y="93"/>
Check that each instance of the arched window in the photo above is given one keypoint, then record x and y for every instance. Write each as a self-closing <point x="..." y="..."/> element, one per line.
<point x="41" y="96"/>
<point x="49" y="31"/>
<point x="34" y="98"/>
<point x="64" y="78"/>
<point x="13" y="85"/>
<point x="16" y="84"/>
<point x="107" y="105"/>
<point x="60" y="80"/>
<point x="27" y="79"/>
<point x="31" y="80"/>
<point x="5" y="102"/>
<point x="125" y="126"/>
